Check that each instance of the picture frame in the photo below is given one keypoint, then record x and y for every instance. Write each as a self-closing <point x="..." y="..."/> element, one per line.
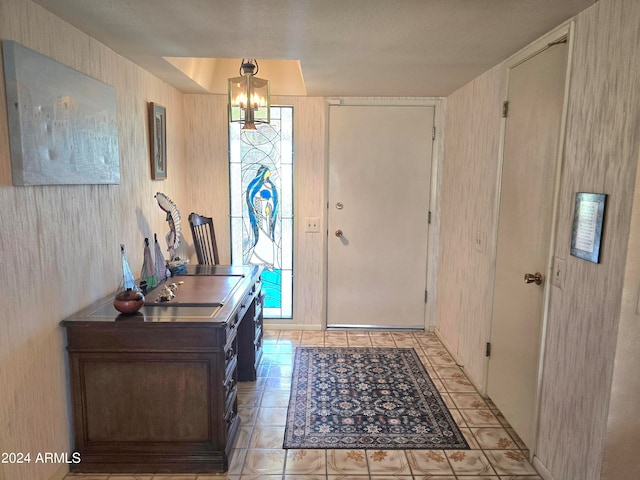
<point x="158" y="140"/>
<point x="588" y="220"/>
<point x="63" y="124"/>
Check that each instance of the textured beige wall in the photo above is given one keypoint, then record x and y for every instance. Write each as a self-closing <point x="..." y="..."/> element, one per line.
<point x="622" y="443"/>
<point x="208" y="177"/>
<point x="59" y="245"/>
<point x="601" y="155"/>
<point x="472" y="137"/>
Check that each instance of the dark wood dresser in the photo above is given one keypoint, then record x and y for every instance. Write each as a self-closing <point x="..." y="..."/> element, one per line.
<point x="157" y="391"/>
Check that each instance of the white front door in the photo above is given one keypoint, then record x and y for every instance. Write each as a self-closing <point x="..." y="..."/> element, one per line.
<point x="531" y="144"/>
<point x="379" y="188"/>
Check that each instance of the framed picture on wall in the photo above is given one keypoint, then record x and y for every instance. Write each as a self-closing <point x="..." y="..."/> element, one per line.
<point x="158" y="140"/>
<point x="588" y="218"/>
<point x="63" y="125"/>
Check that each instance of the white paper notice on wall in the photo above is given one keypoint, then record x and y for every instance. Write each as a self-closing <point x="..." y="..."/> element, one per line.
<point x="586" y="228"/>
<point x="588" y="219"/>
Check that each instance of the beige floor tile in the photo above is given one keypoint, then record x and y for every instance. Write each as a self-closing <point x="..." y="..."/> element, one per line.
<point x="439" y="385"/>
<point x="173" y="477"/>
<point x="457" y="417"/>
<point x="510" y="462"/>
<point x="302" y="477"/>
<point x="276" y="398"/>
<point x="264" y="462"/>
<point x="249" y="398"/>
<point x="407" y="343"/>
<point x="222" y="476"/>
<point x="85" y="476"/>
<point x="428" y="462"/>
<point x="458" y="385"/>
<point x="442" y="360"/>
<point x="248" y="387"/>
<point x="402" y="336"/>
<point x="331" y="337"/>
<point x="503" y="421"/>
<point x="312" y="339"/>
<point x="391" y="477"/>
<point x="431" y="371"/>
<point x="261" y="477"/>
<point x="480" y="418"/>
<point x="514" y="435"/>
<point x="355" y="340"/>
<point x="244" y="436"/>
<point x="448" y="371"/>
<point x="435" y="477"/>
<point x="236" y="461"/>
<point x="448" y="401"/>
<point x="477" y="477"/>
<point x="306" y="462"/>
<point x="388" y="462"/>
<point x="277" y="383"/>
<point x="347" y="462"/>
<point x="382" y="339"/>
<point x="471" y="440"/>
<point x="493" y="438"/>
<point x="287" y="335"/>
<point x="468" y="400"/>
<point x="278" y="370"/>
<point x="519" y="477"/>
<point x="130" y="477"/>
<point x="347" y="477"/>
<point x="428" y="341"/>
<point x="271" y="416"/>
<point x="336" y="342"/>
<point x="286" y="347"/>
<point x="267" y="437"/>
<point x="248" y="414"/>
<point x="469" y="462"/>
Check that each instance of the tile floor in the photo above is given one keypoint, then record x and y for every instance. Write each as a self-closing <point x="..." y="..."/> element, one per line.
<point x="496" y="452"/>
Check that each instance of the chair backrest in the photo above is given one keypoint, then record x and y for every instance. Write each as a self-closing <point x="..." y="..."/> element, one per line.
<point x="204" y="239"/>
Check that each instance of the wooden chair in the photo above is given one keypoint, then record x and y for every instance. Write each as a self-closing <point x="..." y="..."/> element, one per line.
<point x="204" y="239"/>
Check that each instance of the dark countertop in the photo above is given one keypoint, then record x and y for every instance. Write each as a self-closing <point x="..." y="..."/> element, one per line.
<point x="210" y="294"/>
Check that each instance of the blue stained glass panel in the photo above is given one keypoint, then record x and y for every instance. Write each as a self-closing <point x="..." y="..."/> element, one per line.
<point x="262" y="205"/>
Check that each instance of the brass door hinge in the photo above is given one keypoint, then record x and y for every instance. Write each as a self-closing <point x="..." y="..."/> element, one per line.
<point x="505" y="109"/>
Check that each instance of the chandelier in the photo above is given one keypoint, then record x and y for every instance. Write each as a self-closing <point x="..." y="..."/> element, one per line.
<point x="249" y="98"/>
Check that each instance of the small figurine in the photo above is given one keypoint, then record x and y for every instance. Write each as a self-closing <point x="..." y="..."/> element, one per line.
<point x="148" y="274"/>
<point x="129" y="300"/>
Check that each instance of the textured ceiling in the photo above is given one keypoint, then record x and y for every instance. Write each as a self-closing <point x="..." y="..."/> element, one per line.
<point x="344" y="47"/>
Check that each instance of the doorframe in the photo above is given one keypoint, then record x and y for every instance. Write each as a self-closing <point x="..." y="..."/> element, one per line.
<point x="565" y="30"/>
<point x="433" y="232"/>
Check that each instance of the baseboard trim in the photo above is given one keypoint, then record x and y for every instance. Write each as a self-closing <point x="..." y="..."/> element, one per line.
<point x="541" y="469"/>
<point x="276" y="325"/>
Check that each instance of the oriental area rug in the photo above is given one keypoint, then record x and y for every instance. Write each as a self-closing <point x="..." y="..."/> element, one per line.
<point x="366" y="398"/>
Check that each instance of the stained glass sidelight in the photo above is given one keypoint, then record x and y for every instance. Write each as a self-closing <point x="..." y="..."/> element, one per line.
<point x="261" y="188"/>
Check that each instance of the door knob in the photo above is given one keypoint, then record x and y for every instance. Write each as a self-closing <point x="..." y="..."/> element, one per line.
<point x="533" y="278"/>
<point x="338" y="233"/>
